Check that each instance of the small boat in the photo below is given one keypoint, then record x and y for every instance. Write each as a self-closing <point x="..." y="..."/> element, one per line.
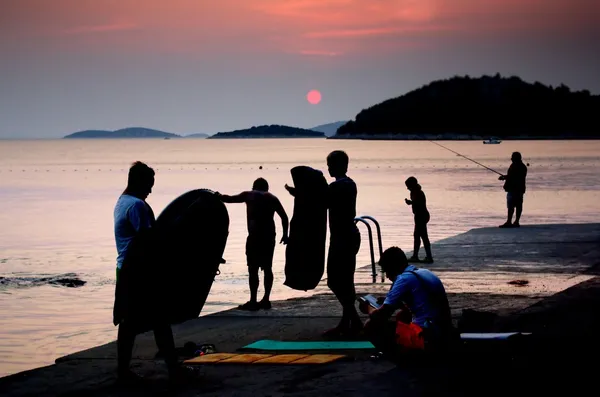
<point x="492" y="141"/>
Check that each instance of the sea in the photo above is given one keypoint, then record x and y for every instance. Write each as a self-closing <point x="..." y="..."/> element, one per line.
<point x="57" y="199"/>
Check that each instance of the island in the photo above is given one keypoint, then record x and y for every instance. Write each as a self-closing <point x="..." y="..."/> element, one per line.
<point x="132" y="132"/>
<point x="476" y="108"/>
<point x="269" y="131"/>
<point x="198" y="135"/>
<point x="329" y="129"/>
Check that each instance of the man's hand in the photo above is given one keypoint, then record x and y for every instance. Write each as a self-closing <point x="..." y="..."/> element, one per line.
<point x="407" y="201"/>
<point x="363" y="307"/>
<point x="502" y="178"/>
<point x="289" y="189"/>
<point x="404" y="315"/>
<point x="380" y="300"/>
<point x="284" y="240"/>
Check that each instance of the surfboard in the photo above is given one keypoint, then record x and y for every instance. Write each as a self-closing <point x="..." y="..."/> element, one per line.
<point x="305" y="252"/>
<point x="169" y="269"/>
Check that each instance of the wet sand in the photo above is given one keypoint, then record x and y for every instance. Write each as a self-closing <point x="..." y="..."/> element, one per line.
<point x="559" y="304"/>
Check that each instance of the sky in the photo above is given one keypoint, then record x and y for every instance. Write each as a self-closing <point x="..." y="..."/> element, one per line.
<point x="190" y="66"/>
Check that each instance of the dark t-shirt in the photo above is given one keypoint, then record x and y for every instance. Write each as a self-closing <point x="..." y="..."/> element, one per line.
<point x="342" y="207"/>
<point x="419" y="203"/>
<point x="515" y="178"/>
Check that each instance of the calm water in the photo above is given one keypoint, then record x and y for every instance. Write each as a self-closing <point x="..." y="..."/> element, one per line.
<point x="58" y="195"/>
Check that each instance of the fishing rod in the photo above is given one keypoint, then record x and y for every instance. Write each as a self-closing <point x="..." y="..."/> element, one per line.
<point x="488" y="168"/>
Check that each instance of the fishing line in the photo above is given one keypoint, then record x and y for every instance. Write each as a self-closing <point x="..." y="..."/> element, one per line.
<point x="488" y="168"/>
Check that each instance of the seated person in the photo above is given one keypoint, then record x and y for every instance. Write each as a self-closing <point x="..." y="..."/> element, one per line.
<point x="423" y="320"/>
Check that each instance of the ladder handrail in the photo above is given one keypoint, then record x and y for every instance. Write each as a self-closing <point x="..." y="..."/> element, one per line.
<point x="378" y="232"/>
<point x="378" y="240"/>
<point x="374" y="269"/>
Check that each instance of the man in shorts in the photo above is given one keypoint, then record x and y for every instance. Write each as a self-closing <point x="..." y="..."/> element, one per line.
<point x="514" y="186"/>
<point x="344" y="243"/>
<point x="132" y="216"/>
<point x="261" y="207"/>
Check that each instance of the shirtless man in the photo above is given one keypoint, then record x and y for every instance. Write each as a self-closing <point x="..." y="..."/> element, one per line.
<point x="261" y="207"/>
<point x="344" y="243"/>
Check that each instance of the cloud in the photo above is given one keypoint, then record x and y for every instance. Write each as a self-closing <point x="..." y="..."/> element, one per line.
<point x="112" y="27"/>
<point x="320" y="53"/>
<point x="389" y="31"/>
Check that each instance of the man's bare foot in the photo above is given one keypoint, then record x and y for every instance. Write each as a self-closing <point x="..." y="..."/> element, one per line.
<point x="265" y="304"/>
<point x="249" y="306"/>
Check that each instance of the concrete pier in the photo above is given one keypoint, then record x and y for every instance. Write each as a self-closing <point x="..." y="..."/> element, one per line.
<point x="559" y="300"/>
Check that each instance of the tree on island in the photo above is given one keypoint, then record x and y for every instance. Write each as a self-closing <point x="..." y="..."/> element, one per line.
<point x="498" y="106"/>
<point x="269" y="131"/>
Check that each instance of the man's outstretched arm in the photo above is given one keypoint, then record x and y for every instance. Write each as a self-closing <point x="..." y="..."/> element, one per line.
<point x="238" y="198"/>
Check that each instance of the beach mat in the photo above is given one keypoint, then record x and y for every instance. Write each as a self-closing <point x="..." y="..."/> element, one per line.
<point x="273" y="359"/>
<point x="277" y="345"/>
<point x="492" y="336"/>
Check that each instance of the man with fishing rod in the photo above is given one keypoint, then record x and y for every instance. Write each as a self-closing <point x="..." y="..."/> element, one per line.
<point x="514" y="185"/>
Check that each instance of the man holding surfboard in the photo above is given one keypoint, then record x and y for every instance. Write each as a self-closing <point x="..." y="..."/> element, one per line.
<point x="344" y="243"/>
<point x="132" y="217"/>
<point x="261" y="207"/>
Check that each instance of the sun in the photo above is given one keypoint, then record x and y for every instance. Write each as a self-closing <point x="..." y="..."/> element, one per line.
<point x="313" y="97"/>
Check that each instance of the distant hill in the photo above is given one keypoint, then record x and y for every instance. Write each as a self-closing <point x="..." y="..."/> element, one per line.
<point x="133" y="132"/>
<point x="198" y="135"/>
<point x="329" y="129"/>
<point x="269" y="131"/>
<point x="465" y="108"/>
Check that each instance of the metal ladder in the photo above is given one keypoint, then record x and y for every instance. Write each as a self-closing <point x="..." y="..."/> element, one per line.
<point x="364" y="219"/>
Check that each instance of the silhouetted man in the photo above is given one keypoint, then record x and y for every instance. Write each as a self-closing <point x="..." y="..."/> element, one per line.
<point x="344" y="243"/>
<point x="261" y="207"/>
<point x="423" y="319"/>
<point x="132" y="216"/>
<point x="418" y="202"/>
<point x="514" y="186"/>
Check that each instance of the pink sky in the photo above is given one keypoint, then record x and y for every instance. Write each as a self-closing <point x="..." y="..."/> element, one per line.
<point x="256" y="38"/>
<point x="304" y="26"/>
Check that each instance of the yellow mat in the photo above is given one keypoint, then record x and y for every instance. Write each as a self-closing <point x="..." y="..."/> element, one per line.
<point x="235" y="358"/>
<point x="210" y="358"/>
<point x="281" y="359"/>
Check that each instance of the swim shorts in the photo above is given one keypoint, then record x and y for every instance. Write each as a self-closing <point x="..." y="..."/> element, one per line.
<point x="514" y="199"/>
<point x="259" y="251"/>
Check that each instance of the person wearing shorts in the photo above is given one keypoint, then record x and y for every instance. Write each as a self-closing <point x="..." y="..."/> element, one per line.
<point x="133" y="215"/>
<point x="344" y="243"/>
<point x="261" y="207"/>
<point x="515" y="187"/>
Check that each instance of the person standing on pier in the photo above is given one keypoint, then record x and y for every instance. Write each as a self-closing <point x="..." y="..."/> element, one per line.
<point x="132" y="313"/>
<point x="418" y="202"/>
<point x="514" y="186"/>
<point x="344" y="243"/>
<point x="261" y="207"/>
